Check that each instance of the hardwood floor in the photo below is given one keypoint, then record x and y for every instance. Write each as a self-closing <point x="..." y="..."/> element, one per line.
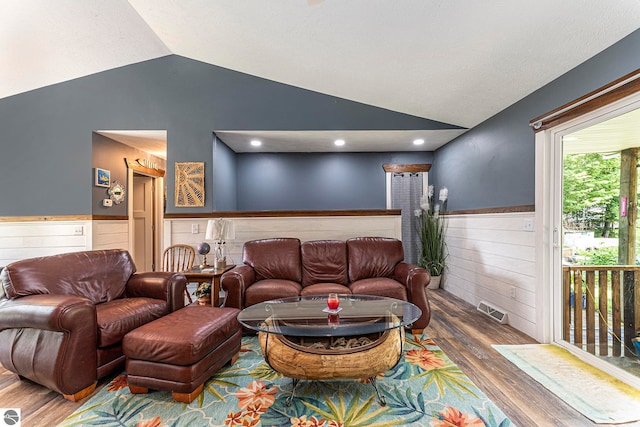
<point x="458" y="328"/>
<point x="466" y="336"/>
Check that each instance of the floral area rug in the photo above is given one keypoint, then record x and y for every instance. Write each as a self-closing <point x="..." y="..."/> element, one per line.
<point x="424" y="389"/>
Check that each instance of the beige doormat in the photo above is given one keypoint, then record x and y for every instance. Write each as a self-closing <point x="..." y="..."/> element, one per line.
<point x="598" y="396"/>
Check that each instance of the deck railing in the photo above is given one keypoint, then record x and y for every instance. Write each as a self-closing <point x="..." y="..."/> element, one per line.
<point x="600" y="302"/>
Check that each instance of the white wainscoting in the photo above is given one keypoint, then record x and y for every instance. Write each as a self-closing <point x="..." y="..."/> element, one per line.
<point x="303" y="228"/>
<point x="110" y="234"/>
<point x="21" y="240"/>
<point x="488" y="255"/>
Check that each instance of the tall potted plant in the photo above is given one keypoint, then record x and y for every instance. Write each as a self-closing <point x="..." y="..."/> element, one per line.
<point x="431" y="230"/>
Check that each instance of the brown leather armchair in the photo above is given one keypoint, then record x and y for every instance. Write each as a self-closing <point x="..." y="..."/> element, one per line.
<point x="63" y="317"/>
<point x="284" y="267"/>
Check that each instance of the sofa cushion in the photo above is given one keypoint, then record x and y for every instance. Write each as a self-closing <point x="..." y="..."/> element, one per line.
<point x="373" y="257"/>
<point x="269" y="289"/>
<point x="380" y="286"/>
<point x="274" y="258"/>
<point x="324" y="261"/>
<point x="97" y="275"/>
<point x="324" y="289"/>
<point x="118" y="317"/>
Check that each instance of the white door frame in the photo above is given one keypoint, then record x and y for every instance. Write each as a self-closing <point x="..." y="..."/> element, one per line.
<point x="548" y="219"/>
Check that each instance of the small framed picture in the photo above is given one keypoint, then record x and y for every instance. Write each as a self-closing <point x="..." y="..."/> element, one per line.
<point x="103" y="178"/>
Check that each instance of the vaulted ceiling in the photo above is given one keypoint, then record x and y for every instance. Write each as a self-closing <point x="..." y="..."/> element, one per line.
<point x="454" y="61"/>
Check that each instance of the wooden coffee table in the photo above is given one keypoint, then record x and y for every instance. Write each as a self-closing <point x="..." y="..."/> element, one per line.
<point x="302" y="341"/>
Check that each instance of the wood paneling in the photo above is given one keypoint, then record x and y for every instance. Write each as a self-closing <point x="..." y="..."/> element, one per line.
<point x="44" y="218"/>
<point x="137" y="167"/>
<point x="497" y="209"/>
<point x="110" y="234"/>
<point x="303" y="228"/>
<point x="414" y="168"/>
<point x="110" y="217"/>
<point x="61" y="218"/>
<point x="488" y="255"/>
<point x="30" y="239"/>
<point x="21" y="240"/>
<point x="286" y="214"/>
<point x="605" y="95"/>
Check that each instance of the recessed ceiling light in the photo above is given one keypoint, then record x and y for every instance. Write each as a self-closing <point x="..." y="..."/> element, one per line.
<point x="418" y="141"/>
<point x="339" y="142"/>
<point x="256" y="143"/>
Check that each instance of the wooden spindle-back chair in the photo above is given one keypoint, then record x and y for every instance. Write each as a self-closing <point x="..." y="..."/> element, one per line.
<point x="179" y="258"/>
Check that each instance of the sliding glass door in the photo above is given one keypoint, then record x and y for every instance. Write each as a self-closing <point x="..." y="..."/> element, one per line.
<point x="597" y="292"/>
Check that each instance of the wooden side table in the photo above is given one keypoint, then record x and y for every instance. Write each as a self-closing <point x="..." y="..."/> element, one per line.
<point x="208" y="274"/>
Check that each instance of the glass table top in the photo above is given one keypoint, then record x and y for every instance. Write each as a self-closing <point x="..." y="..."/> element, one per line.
<point x="309" y="316"/>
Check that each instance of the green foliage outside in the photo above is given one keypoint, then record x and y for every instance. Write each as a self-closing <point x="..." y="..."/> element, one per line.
<point x="591" y="193"/>
<point x="602" y="256"/>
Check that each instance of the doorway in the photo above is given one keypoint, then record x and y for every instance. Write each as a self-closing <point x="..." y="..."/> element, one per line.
<point x="600" y="268"/>
<point x="405" y="185"/>
<point x="578" y="304"/>
<point x="145" y="190"/>
<point x="144" y="226"/>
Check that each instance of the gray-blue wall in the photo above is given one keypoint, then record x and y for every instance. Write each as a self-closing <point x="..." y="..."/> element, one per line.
<point x="224" y="177"/>
<point x="493" y="164"/>
<point x="296" y="181"/>
<point x="45" y="134"/>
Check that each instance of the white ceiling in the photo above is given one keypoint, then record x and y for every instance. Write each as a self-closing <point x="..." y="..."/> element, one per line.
<point x="152" y="141"/>
<point x="455" y="61"/>
<point x="607" y="137"/>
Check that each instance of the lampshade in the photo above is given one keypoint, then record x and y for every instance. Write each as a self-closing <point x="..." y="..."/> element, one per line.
<point x="219" y="230"/>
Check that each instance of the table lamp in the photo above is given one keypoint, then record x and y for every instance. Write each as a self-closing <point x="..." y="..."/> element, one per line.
<point x="219" y="231"/>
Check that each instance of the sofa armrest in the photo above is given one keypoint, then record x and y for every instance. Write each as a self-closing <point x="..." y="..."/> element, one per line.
<point x="50" y="339"/>
<point x="166" y="286"/>
<point x="60" y="313"/>
<point x="415" y="279"/>
<point x="235" y="282"/>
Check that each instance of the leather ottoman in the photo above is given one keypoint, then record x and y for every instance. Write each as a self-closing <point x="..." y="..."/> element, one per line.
<point x="180" y="351"/>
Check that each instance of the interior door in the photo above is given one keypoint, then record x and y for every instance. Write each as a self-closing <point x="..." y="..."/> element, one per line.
<point x="143" y="222"/>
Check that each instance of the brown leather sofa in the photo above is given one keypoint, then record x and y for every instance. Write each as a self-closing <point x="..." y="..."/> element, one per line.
<point x="63" y="317"/>
<point x="284" y="267"/>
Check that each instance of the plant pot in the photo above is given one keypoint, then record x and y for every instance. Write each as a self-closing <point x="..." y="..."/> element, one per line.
<point x="206" y="300"/>
<point x="636" y="344"/>
<point x="434" y="283"/>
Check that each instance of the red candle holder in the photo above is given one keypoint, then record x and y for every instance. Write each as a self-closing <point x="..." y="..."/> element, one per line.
<point x="333" y="302"/>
